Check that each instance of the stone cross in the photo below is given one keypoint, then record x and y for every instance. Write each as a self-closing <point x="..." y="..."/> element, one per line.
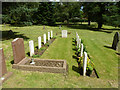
<point x="115" y="41"/>
<point x="31" y="46"/>
<point x="51" y="34"/>
<point x="81" y="51"/>
<point x="84" y="63"/>
<point x="18" y="50"/>
<point x="44" y="38"/>
<point x="48" y="36"/>
<point x="39" y="42"/>
<point x="64" y="33"/>
<point x="3" y="69"/>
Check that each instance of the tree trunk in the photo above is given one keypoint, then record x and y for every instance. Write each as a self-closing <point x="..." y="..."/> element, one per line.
<point x="89" y="22"/>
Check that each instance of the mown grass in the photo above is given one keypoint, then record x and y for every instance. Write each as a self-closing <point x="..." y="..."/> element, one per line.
<point x="98" y="43"/>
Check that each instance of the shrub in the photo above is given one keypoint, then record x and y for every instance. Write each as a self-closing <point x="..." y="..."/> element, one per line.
<point x="35" y="56"/>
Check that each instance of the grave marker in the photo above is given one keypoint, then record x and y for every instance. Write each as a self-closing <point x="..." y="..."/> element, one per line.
<point x="115" y="41"/>
<point x="31" y="47"/>
<point x="79" y="42"/>
<point x="84" y="63"/>
<point x="18" y="49"/>
<point x="39" y="42"/>
<point x="4" y="75"/>
<point x="51" y="34"/>
<point x="81" y="51"/>
<point x="64" y="33"/>
<point x="48" y="36"/>
<point x="44" y="38"/>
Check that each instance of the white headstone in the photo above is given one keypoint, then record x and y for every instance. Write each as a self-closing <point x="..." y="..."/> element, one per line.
<point x="44" y="38"/>
<point x="79" y="42"/>
<point x="84" y="63"/>
<point x="51" y="34"/>
<point x="76" y="36"/>
<point x="31" y="46"/>
<point x="48" y="36"/>
<point x="64" y="33"/>
<point x="39" y="42"/>
<point x="81" y="51"/>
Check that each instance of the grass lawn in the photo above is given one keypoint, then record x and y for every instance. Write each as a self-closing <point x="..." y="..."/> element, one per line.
<point x="97" y="42"/>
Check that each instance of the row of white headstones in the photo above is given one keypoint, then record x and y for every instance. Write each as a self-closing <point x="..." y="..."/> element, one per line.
<point x="78" y="40"/>
<point x="31" y="43"/>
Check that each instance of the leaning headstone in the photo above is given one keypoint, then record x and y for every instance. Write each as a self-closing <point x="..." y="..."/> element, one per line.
<point x="18" y="50"/>
<point x="64" y="33"/>
<point x="115" y="41"/>
<point x="4" y="75"/>
<point x="81" y="51"/>
<point x="39" y="42"/>
<point x="31" y="47"/>
<point x="84" y="63"/>
<point x="51" y="34"/>
<point x="48" y="36"/>
<point x="44" y="38"/>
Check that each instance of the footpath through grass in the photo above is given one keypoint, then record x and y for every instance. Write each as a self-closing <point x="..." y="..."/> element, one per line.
<point x="97" y="44"/>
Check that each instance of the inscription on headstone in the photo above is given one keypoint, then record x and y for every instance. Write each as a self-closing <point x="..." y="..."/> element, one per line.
<point x="18" y="50"/>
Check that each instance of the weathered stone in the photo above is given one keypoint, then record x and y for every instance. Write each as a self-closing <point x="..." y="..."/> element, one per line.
<point x="43" y="27"/>
<point x="3" y="69"/>
<point x="31" y="46"/>
<point x="64" y="33"/>
<point x="18" y="49"/>
<point x="44" y="38"/>
<point x="84" y="63"/>
<point x="39" y="42"/>
<point x="115" y="41"/>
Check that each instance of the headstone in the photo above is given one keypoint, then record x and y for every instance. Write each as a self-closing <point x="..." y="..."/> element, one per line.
<point x="115" y="41"/>
<point x="79" y="42"/>
<point x="51" y="34"/>
<point x="48" y="36"/>
<point x="84" y="63"/>
<point x="3" y="69"/>
<point x="64" y="33"/>
<point x="39" y="42"/>
<point x="31" y="47"/>
<point x="44" y="38"/>
<point x="81" y="51"/>
<point x="43" y="27"/>
<point x="18" y="50"/>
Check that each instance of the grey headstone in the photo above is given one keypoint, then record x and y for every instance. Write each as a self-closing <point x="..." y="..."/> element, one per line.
<point x="115" y="41"/>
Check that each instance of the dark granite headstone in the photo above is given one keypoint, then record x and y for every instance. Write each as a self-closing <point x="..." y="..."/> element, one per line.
<point x="115" y="41"/>
<point x="18" y="50"/>
<point x="3" y="69"/>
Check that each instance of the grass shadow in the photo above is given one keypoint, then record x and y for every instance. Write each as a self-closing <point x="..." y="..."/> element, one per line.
<point x="9" y="34"/>
<point x="77" y="69"/>
<point x="108" y="47"/>
<point x="75" y="57"/>
<point x="118" y="53"/>
<point x="36" y="47"/>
